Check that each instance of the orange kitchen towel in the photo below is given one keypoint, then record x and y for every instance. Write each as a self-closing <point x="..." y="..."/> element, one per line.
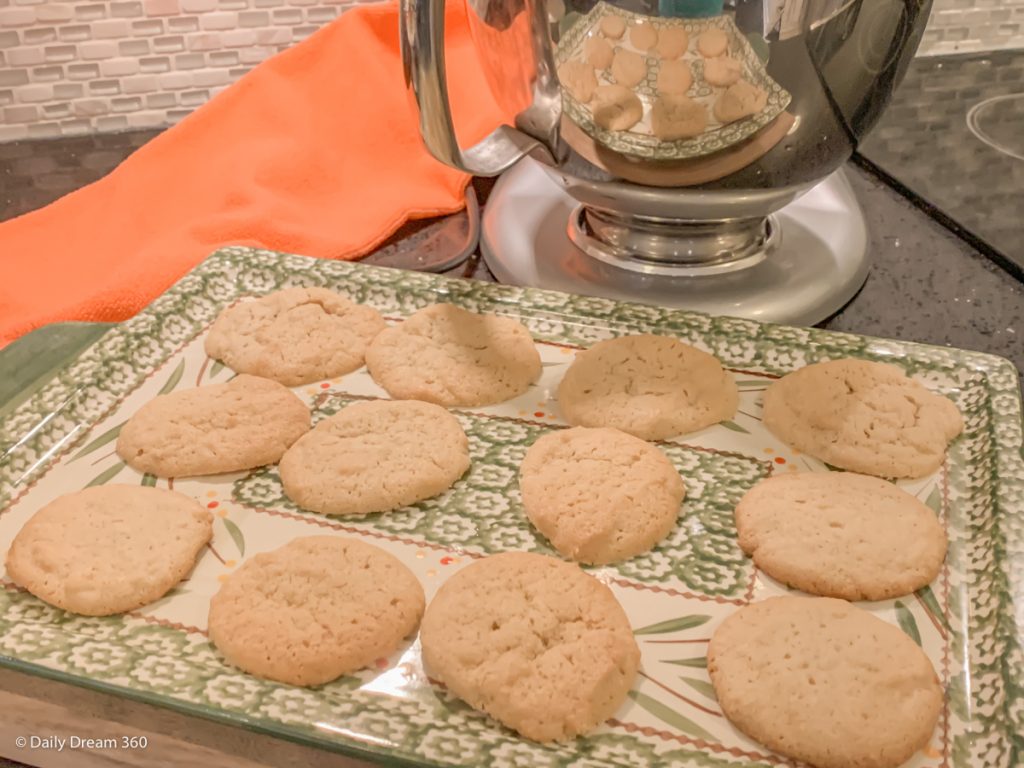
<point x="315" y="151"/>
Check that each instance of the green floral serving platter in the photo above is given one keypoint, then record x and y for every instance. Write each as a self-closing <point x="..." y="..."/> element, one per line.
<point x="639" y="141"/>
<point x="968" y="621"/>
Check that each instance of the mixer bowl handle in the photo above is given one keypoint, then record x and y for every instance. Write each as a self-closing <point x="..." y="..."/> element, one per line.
<point x="421" y="25"/>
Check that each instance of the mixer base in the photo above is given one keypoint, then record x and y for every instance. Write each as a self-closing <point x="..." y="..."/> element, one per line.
<point x="820" y="261"/>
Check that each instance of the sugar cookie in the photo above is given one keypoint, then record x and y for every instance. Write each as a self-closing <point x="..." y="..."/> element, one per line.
<point x="678" y="117"/>
<point x="616" y="107"/>
<point x="534" y="642"/>
<point x="712" y="42"/>
<point x="672" y="43"/>
<point x="578" y="78"/>
<point x="862" y="416"/>
<point x="294" y="336"/>
<point x="824" y="682"/>
<point x="654" y="387"/>
<point x="741" y="99"/>
<point x="613" y="26"/>
<point x="598" y="52"/>
<point x="447" y="355"/>
<point x="315" y="609"/>
<point x="247" y="422"/>
<point x="722" y="71"/>
<point x="839" y="534"/>
<point x="110" y="548"/>
<point x="643" y="36"/>
<point x="674" y="78"/>
<point x="375" y="456"/>
<point x="628" y="68"/>
<point x="599" y="495"/>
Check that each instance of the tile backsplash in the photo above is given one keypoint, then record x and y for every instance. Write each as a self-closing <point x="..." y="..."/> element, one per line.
<point x="960" y="26"/>
<point x="79" y="67"/>
<point x="69" y="68"/>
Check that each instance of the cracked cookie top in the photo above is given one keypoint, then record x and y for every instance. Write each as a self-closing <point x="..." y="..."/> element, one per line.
<point x="598" y="494"/>
<point x="294" y="336"/>
<point x="862" y="416"/>
<point x="247" y="422"/>
<point x="447" y="355"/>
<point x="315" y="609"/>
<point x="654" y="387"/>
<point x="534" y="642"/>
<point x="375" y="456"/>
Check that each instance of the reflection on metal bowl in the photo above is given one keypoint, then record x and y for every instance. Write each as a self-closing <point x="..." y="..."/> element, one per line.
<point x="818" y="72"/>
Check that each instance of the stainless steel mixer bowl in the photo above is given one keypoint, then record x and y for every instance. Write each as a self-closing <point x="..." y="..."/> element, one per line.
<point x="835" y="64"/>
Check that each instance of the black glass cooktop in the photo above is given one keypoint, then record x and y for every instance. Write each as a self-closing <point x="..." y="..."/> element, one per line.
<point x="954" y="137"/>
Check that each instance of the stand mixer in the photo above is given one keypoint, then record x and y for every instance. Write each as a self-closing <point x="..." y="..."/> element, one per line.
<point x="745" y="216"/>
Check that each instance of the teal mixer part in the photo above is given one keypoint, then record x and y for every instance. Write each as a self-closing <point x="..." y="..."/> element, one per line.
<point x="689" y="8"/>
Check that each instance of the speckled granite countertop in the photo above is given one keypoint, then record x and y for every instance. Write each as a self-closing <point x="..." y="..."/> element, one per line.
<point x="926" y="284"/>
<point x="925" y="142"/>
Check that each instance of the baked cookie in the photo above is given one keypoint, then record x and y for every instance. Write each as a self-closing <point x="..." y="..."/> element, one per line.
<point x="841" y="535"/>
<point x="452" y="357"/>
<point x="315" y="609"/>
<point x="616" y="107"/>
<point x="598" y="52"/>
<point x="643" y="36"/>
<point x="534" y="642"/>
<point x="613" y="26"/>
<point x="628" y="68"/>
<point x="824" y="682"/>
<point x="109" y="549"/>
<point x="862" y="416"/>
<point x="375" y="456"/>
<point x="672" y="43"/>
<point x="654" y="387"/>
<point x="674" y="78"/>
<point x="741" y="99"/>
<point x="294" y="336"/>
<point x="678" y="117"/>
<point x="599" y="495"/>
<point x="712" y="42"/>
<point x="579" y="79"/>
<point x="247" y="422"/>
<point x="722" y="71"/>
